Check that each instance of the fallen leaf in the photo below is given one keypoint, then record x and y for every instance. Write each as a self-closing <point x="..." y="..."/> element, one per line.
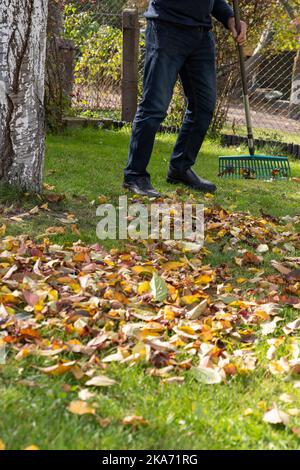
<point x="262" y="248"/>
<point x="207" y="375"/>
<point x="158" y="288"/>
<point x="134" y="421"/>
<point x="197" y="311"/>
<point x="55" y="230"/>
<point x="79" y="407"/>
<point x="294" y="429"/>
<point x="104" y="422"/>
<point x="2" y="230"/>
<point x="100" y="381"/>
<point x="251" y="258"/>
<point x="287" y="398"/>
<point x="276" y="416"/>
<point x="85" y="394"/>
<point x="55" y="197"/>
<point x="58" y="369"/>
<point x="280" y="267"/>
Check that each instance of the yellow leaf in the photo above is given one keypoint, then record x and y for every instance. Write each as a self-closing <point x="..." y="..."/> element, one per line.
<point x="141" y="351"/>
<point x="143" y="287"/>
<point x="238" y="304"/>
<point x="204" y="279"/>
<point x="2" y="445"/>
<point x="22" y="354"/>
<point x="32" y="447"/>
<point x="79" y="407"/>
<point x="209" y="239"/>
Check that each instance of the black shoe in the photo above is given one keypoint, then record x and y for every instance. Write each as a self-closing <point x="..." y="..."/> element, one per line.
<point x="192" y="180"/>
<point x="141" y="186"/>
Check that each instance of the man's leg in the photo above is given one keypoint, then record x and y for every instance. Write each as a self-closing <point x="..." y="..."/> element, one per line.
<point x="164" y="59"/>
<point x="198" y="76"/>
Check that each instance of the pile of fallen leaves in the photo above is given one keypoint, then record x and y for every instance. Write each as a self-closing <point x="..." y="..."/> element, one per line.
<point x="81" y="307"/>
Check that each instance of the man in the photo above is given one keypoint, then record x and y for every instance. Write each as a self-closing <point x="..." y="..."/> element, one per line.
<point x="179" y="42"/>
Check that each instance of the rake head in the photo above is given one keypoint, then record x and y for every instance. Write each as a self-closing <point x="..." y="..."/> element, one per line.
<point x="261" y="167"/>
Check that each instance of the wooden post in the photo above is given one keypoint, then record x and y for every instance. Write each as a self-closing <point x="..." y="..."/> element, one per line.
<point x="131" y="35"/>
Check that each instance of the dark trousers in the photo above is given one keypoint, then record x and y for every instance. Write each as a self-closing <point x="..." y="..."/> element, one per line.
<point x="173" y="51"/>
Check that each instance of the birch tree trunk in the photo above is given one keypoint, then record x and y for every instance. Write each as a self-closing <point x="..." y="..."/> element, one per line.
<point x="22" y="70"/>
<point x="60" y="64"/>
<point x="295" y="95"/>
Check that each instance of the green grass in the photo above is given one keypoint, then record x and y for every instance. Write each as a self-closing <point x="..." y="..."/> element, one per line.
<point x="83" y="165"/>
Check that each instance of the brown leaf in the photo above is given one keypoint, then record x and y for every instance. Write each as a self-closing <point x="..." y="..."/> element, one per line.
<point x="104" y="422"/>
<point x="134" y="421"/>
<point x="100" y="381"/>
<point x="294" y="429"/>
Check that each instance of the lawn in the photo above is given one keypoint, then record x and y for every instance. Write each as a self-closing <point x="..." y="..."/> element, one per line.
<point x="81" y="167"/>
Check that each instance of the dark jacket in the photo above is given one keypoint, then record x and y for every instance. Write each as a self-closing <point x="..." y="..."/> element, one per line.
<point x="190" y="12"/>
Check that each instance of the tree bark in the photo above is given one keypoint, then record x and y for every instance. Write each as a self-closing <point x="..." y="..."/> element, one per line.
<point x="22" y="70"/>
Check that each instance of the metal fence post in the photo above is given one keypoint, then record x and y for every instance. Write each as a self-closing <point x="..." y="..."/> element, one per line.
<point x="131" y="34"/>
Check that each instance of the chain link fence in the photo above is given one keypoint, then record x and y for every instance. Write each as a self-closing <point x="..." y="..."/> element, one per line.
<point x="274" y="71"/>
<point x="274" y="89"/>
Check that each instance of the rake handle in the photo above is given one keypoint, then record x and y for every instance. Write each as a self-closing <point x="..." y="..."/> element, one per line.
<point x="244" y="78"/>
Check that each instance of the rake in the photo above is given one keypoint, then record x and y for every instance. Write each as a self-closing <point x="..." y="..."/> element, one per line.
<point x="252" y="166"/>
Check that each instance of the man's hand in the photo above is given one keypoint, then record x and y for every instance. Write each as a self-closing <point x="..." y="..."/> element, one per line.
<point x="239" y="38"/>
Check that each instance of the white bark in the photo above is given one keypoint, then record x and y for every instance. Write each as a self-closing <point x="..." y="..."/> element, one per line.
<point x="22" y="71"/>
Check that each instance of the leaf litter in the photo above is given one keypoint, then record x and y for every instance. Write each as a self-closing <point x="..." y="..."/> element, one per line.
<point x="81" y="307"/>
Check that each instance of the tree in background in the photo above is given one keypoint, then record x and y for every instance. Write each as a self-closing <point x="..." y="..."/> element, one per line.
<point x="22" y="70"/>
<point x="292" y="8"/>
